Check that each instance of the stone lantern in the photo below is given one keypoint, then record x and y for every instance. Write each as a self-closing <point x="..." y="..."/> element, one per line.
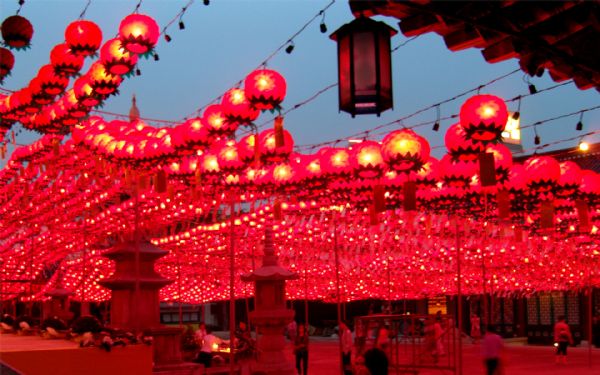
<point x="270" y="314"/>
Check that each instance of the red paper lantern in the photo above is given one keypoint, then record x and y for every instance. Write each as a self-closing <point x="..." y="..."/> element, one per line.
<point x="284" y="176"/>
<point x="196" y="132"/>
<point x="63" y="60"/>
<point x="73" y="106"/>
<point x="51" y="83"/>
<point x="209" y="167"/>
<point x="457" y="173"/>
<point x="138" y="33"/>
<point x="367" y="160"/>
<point x="459" y="146"/>
<point x="247" y="148"/>
<point x="236" y="108"/>
<point x="590" y="186"/>
<point x="228" y="156"/>
<point x="83" y="37"/>
<point x="265" y="88"/>
<point x="336" y="162"/>
<point x="484" y="117"/>
<point x="101" y="81"/>
<point x="17" y="32"/>
<point x="269" y="151"/>
<point x="216" y="122"/>
<point x="84" y="92"/>
<point x="569" y="180"/>
<point x="117" y="59"/>
<point x="429" y="174"/>
<point x="404" y="150"/>
<point x="38" y="94"/>
<point x="543" y="173"/>
<point x="7" y="62"/>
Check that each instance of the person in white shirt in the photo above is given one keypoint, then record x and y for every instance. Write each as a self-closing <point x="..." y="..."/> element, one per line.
<point x="346" y="339"/>
<point x="492" y="347"/>
<point x="208" y="345"/>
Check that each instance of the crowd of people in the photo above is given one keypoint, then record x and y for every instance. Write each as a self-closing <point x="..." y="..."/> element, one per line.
<point x="366" y="350"/>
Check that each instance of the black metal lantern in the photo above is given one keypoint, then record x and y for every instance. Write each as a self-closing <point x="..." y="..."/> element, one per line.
<point x="364" y="66"/>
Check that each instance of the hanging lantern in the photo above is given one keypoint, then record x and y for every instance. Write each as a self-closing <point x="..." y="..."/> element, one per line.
<point x="570" y="178"/>
<point x="228" y="156"/>
<point x="237" y="109"/>
<point x="404" y="150"/>
<point x="336" y="162"/>
<point x="309" y="173"/>
<point x="367" y="160"/>
<point x="284" y="176"/>
<point x="196" y="132"/>
<point x="101" y="81"/>
<point x="429" y="174"/>
<point x="216" y="122"/>
<point x="502" y="160"/>
<point x="117" y="59"/>
<point x="247" y="148"/>
<point x="364" y="66"/>
<point x="63" y="60"/>
<point x="269" y="150"/>
<point x="85" y="93"/>
<point x="138" y="33"/>
<point x="83" y="37"/>
<point x="17" y="32"/>
<point x="265" y="89"/>
<point x="484" y="117"/>
<point x="73" y="106"/>
<point x="209" y="167"/>
<point x="7" y="62"/>
<point x="51" y="83"/>
<point x="590" y="187"/>
<point x="543" y="173"/>
<point x="457" y="174"/>
<point x="38" y="94"/>
<point x="459" y="146"/>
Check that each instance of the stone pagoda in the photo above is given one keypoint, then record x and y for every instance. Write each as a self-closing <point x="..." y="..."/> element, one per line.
<point x="270" y="314"/>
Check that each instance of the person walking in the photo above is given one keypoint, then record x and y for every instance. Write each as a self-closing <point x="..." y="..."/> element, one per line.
<point x="346" y="339"/>
<point x="492" y="348"/>
<point x="562" y="338"/>
<point x="475" y="328"/>
<point x="301" y="350"/>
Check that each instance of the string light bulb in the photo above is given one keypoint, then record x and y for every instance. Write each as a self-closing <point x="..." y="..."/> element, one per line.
<point x="436" y="126"/>
<point x="155" y="55"/>
<point x="579" y="126"/>
<point x="517" y="114"/>
<point x="584" y="146"/>
<point x="289" y="48"/>
<point x="537" y="140"/>
<point x="181" y="25"/>
<point x="206" y="2"/>
<point x="168" y="38"/>
<point x="532" y="89"/>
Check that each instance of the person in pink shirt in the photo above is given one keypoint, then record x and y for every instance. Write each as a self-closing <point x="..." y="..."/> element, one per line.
<point x="492" y="347"/>
<point x="562" y="339"/>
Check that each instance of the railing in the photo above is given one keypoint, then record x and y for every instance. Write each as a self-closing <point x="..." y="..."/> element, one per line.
<point x="413" y="342"/>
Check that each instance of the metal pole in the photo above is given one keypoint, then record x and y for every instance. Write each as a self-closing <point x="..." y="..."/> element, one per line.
<point x="306" y="298"/>
<point x="590" y="334"/>
<point x="137" y="254"/>
<point x="180" y="289"/>
<point x="458" y="301"/>
<point x="84" y="308"/>
<point x="337" y="285"/>
<point x="231" y="285"/>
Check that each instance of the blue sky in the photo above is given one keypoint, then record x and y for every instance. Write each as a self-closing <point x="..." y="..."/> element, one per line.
<point x="224" y="41"/>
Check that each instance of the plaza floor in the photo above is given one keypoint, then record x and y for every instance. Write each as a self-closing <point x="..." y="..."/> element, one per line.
<point x="520" y="360"/>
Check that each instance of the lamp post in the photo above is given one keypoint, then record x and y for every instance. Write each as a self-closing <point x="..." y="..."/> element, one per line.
<point x="364" y="66"/>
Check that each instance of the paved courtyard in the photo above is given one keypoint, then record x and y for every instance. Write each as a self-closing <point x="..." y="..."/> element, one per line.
<point x="521" y="360"/>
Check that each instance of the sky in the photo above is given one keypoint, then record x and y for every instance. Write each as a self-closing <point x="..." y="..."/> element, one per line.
<point x="223" y="42"/>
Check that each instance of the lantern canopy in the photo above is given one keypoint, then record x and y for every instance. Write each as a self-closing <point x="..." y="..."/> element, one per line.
<point x="364" y="66"/>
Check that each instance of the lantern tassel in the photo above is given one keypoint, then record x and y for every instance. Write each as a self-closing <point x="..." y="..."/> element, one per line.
<point x="279" y="140"/>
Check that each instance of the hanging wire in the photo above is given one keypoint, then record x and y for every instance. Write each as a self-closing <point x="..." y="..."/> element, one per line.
<point x="265" y="62"/>
<point x="21" y="2"/>
<point x="137" y="7"/>
<point x="178" y="16"/>
<point x="82" y="14"/>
